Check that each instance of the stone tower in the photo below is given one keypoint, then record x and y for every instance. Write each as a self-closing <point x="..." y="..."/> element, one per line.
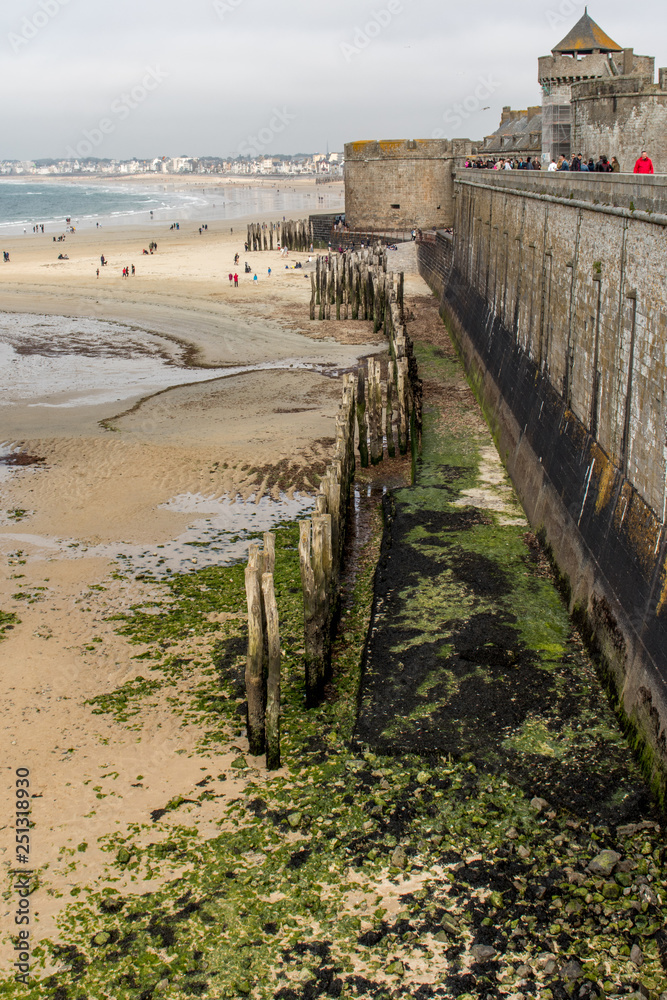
<point x="586" y="53"/>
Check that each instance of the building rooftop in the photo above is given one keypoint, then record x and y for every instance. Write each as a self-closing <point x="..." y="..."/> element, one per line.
<point x="519" y="132"/>
<point x="586" y="37"/>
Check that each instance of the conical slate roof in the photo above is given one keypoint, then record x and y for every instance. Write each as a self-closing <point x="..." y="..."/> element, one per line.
<point x="586" y="36"/>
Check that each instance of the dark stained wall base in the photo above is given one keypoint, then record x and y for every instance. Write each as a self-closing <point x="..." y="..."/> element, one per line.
<point x="607" y="544"/>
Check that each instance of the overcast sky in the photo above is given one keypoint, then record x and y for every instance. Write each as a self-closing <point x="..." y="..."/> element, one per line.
<point x="217" y="77"/>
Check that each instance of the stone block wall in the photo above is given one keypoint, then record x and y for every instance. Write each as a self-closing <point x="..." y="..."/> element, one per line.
<point x="559" y="310"/>
<point x="402" y="184"/>
<point x="621" y="117"/>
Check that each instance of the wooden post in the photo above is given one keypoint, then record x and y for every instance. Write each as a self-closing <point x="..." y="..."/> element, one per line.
<point x="375" y="408"/>
<point x="403" y="406"/>
<point x="361" y="420"/>
<point x="322" y="573"/>
<point x="389" y="424"/>
<point x="254" y="673"/>
<point x="269" y="553"/>
<point x="313" y="662"/>
<point x="313" y="295"/>
<point x="273" y="681"/>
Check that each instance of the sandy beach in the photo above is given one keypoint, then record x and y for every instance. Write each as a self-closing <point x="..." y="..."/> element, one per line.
<point x="105" y="475"/>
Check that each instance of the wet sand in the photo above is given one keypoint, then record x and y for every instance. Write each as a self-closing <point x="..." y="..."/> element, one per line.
<point x="109" y="474"/>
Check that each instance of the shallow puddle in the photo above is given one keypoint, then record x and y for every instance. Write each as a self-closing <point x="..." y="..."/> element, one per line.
<point x="219" y="536"/>
<point x="59" y="361"/>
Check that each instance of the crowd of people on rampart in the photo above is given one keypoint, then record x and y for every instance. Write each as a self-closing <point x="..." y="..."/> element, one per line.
<point x="576" y="162"/>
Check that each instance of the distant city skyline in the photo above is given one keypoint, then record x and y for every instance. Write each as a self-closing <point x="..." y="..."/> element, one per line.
<point x="252" y="77"/>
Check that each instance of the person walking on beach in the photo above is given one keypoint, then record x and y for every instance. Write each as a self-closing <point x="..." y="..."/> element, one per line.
<point x="269" y="272"/>
<point x="98" y="272"/>
<point x="134" y="270"/>
<point x="236" y="281"/>
<point x="231" y="278"/>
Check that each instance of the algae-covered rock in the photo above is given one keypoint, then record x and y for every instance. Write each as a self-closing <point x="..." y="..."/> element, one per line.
<point x="483" y="952"/>
<point x="238" y="763"/>
<point x="538" y="804"/>
<point x="571" y="971"/>
<point x="395" y="968"/>
<point x="398" y="857"/>
<point x="123" y="856"/>
<point x="636" y="956"/>
<point x="604" y="863"/>
<point x="101" y="938"/>
<point x="611" y="890"/>
<point x="294" y="820"/>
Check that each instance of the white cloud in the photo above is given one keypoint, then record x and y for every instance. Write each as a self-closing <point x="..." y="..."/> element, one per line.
<point x="229" y="66"/>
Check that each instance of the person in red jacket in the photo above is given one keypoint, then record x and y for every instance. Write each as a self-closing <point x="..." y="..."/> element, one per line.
<point x="644" y="164"/>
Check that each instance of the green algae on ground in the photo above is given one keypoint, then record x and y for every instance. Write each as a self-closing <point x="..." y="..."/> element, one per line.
<point x="8" y="621"/>
<point x="355" y="872"/>
<point x="475" y="628"/>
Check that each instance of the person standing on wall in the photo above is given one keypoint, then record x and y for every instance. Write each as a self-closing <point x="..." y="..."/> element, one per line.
<point x="644" y="164"/>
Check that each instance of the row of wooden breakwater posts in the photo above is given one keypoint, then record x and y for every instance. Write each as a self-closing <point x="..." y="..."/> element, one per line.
<point x="373" y="414"/>
<point x="357" y="285"/>
<point x="276" y="235"/>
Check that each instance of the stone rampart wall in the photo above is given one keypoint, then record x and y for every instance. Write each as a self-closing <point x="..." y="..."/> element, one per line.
<point x="401" y="184"/>
<point x="620" y="118"/>
<point x="559" y="309"/>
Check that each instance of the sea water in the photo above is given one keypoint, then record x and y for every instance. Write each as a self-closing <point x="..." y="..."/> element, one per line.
<point x="24" y="203"/>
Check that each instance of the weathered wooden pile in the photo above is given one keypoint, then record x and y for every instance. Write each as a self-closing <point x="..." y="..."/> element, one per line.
<point x="262" y="675"/>
<point x="374" y="414"/>
<point x="275" y="235"/>
<point x="321" y="550"/>
<point x="355" y="285"/>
